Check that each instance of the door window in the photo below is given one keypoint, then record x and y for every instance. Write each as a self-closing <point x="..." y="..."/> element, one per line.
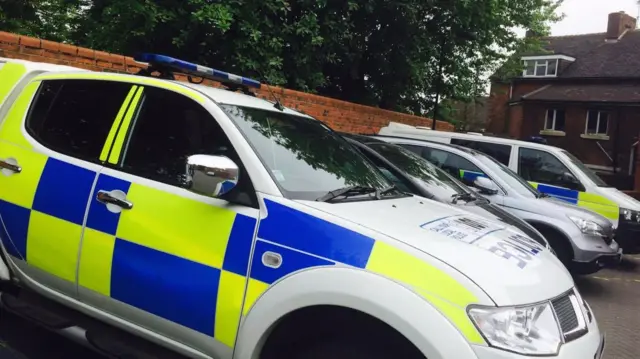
<point x="455" y="165"/>
<point x="167" y="130"/>
<point x="543" y="167"/>
<point x="74" y="117"/>
<point x="502" y="153"/>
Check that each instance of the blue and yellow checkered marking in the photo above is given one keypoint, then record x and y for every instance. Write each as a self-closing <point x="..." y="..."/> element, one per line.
<point x="471" y="175"/>
<point x="591" y="201"/>
<point x="13" y="228"/>
<point x="564" y="194"/>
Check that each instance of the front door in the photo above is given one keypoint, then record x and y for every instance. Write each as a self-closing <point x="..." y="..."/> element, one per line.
<point x="156" y="254"/>
<point x="52" y="137"/>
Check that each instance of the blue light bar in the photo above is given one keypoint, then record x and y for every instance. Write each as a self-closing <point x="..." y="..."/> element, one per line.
<point x="196" y="70"/>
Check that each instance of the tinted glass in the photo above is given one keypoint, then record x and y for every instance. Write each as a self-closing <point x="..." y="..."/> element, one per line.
<point x="435" y="180"/>
<point x="586" y="170"/>
<point x="543" y="167"/>
<point x="305" y="157"/>
<point x="515" y="182"/>
<point x="74" y="117"/>
<point x="500" y="152"/>
<point x="168" y="129"/>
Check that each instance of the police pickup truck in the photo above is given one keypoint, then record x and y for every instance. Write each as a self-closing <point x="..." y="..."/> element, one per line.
<point x="209" y="223"/>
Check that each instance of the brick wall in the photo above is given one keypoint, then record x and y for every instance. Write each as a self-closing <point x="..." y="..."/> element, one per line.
<point x="340" y="115"/>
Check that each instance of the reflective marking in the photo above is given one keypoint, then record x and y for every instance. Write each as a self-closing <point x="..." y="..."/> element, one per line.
<point x="116" y="125"/>
<point x="123" y="131"/>
<point x="10" y="75"/>
<point x="291" y="261"/>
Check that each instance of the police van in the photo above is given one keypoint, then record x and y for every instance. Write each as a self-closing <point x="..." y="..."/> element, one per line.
<point x="208" y="223"/>
<point x="552" y="171"/>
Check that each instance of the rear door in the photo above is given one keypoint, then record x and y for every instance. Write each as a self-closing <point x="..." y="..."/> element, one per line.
<point x="50" y="145"/>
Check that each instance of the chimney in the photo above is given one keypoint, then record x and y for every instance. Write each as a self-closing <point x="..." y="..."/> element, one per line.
<point x="619" y="23"/>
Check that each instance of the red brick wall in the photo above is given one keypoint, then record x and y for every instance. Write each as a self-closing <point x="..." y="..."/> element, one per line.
<point x="500" y="113"/>
<point x="498" y="99"/>
<point x="340" y="115"/>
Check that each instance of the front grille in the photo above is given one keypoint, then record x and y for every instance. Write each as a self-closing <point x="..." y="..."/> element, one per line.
<point x="566" y="313"/>
<point x="570" y="316"/>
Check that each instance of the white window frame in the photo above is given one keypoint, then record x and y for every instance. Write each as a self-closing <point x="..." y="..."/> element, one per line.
<point x="546" y="119"/>
<point x="586" y="123"/>
<point x="541" y="63"/>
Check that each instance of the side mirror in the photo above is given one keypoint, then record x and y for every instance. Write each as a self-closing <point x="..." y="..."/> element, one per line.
<point x="485" y="186"/>
<point x="211" y="176"/>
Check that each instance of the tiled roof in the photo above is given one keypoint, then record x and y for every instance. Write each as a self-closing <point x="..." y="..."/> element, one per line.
<point x="603" y="93"/>
<point x="597" y="58"/>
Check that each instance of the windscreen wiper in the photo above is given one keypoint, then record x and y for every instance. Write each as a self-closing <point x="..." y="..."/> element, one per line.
<point x="384" y="191"/>
<point x="467" y="197"/>
<point x="348" y="191"/>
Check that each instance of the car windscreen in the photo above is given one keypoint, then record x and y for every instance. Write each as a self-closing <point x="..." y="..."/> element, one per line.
<point x="435" y="180"/>
<point x="306" y="158"/>
<point x="512" y="179"/>
<point x="586" y="170"/>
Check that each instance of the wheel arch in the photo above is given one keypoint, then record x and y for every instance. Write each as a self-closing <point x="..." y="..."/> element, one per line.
<point x="392" y="303"/>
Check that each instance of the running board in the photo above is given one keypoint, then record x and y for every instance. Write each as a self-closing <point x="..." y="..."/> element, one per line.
<point x="93" y="334"/>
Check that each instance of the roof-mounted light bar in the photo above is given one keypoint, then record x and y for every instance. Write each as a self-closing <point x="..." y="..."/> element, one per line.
<point x="165" y="62"/>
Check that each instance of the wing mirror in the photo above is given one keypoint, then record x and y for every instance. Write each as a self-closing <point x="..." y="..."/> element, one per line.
<point x="211" y="176"/>
<point x="485" y="186"/>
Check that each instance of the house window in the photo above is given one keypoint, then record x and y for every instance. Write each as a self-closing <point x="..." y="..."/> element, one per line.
<point x="554" y="120"/>
<point x="540" y="68"/>
<point x="597" y="123"/>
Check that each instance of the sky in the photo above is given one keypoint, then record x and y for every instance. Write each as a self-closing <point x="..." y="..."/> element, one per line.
<point x="589" y="16"/>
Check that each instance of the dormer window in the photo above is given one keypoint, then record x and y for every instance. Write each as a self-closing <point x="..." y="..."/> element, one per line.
<point x="543" y="66"/>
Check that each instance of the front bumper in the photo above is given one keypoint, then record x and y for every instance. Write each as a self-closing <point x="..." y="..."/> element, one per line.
<point x="628" y="236"/>
<point x="590" y="346"/>
<point x="591" y="261"/>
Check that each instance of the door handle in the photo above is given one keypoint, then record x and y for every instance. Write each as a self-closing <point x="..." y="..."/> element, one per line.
<point x="108" y="198"/>
<point x="6" y="165"/>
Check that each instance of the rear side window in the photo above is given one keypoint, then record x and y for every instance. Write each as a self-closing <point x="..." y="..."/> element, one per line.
<point x="502" y="153"/>
<point x="543" y="167"/>
<point x="74" y="117"/>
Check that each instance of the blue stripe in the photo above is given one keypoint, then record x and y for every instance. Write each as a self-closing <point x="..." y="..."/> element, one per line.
<point x="16" y="222"/>
<point x="63" y="191"/>
<point x="99" y="217"/>
<point x="236" y="258"/>
<point x="304" y="232"/>
<point x="560" y="193"/>
<point x="171" y="287"/>
<point x="471" y="176"/>
<point x="291" y="262"/>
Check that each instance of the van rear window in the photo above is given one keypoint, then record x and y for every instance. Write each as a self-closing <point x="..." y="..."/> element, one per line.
<point x="502" y="153"/>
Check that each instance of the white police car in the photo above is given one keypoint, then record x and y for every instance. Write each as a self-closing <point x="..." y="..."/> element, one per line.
<point x="220" y="225"/>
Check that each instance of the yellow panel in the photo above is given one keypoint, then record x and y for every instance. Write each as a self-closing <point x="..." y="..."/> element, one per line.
<point x="176" y="225"/>
<point x="139" y="80"/>
<point x="95" y="261"/>
<point x="10" y="128"/>
<point x="229" y="307"/>
<point x="599" y="204"/>
<point x="403" y="267"/>
<point x="124" y="129"/>
<point x="20" y="188"/>
<point x="10" y="75"/>
<point x="534" y="184"/>
<point x="458" y="317"/>
<point x="255" y="288"/>
<point x="116" y="125"/>
<point x="52" y="245"/>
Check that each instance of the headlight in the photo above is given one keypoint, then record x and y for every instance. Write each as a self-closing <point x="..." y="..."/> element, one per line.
<point x="629" y="215"/>
<point x="528" y="330"/>
<point x="587" y="227"/>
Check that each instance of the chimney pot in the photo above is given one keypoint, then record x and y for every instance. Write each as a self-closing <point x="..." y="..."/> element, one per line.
<point x="619" y="22"/>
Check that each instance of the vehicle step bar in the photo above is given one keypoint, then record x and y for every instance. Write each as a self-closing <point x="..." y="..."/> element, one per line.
<point x="88" y="332"/>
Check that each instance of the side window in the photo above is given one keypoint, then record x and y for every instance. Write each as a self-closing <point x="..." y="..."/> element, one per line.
<point x="413" y="148"/>
<point x="450" y="162"/>
<point x="74" y="117"/>
<point x="169" y="128"/>
<point x="543" y="167"/>
<point x="502" y="153"/>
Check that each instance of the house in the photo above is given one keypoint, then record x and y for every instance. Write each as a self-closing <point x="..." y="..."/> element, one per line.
<point x="581" y="94"/>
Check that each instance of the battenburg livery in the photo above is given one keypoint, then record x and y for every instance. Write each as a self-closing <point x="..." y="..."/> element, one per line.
<point x="215" y="224"/>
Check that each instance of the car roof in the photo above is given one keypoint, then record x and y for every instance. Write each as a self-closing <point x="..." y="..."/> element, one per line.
<point x="434" y="144"/>
<point x="414" y="131"/>
<point x="42" y="66"/>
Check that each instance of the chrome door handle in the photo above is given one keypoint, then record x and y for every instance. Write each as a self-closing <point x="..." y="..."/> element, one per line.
<point x="107" y="198"/>
<point x="5" y="165"/>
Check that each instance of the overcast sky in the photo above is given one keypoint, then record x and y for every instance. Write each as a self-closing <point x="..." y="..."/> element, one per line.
<point x="589" y="16"/>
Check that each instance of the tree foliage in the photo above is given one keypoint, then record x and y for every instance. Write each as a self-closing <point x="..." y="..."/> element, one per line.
<point x="384" y="53"/>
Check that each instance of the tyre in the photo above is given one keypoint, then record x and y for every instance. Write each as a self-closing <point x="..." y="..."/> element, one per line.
<point x="348" y="348"/>
<point x="560" y="246"/>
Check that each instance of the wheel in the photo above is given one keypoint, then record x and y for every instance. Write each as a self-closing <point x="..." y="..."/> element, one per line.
<point x="351" y="348"/>
<point x="560" y="246"/>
